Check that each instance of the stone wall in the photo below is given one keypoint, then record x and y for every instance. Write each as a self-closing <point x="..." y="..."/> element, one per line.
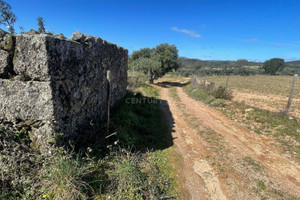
<point x="57" y="85"/>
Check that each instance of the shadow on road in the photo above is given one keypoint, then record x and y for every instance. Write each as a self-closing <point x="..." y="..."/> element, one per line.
<point x="168" y="84"/>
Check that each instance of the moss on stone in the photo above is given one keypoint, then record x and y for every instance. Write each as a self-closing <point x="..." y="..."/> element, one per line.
<point x="15" y="55"/>
<point x="10" y="44"/>
<point x="25" y="77"/>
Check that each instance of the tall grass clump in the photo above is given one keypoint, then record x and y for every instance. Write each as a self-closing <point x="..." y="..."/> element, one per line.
<point x="201" y="95"/>
<point x="66" y="175"/>
<point x="140" y="176"/>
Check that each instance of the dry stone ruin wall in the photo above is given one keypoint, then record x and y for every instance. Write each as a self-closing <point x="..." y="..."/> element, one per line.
<point x="55" y="85"/>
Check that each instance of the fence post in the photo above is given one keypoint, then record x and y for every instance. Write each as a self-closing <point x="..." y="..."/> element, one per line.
<point x="204" y="82"/>
<point x="226" y="86"/>
<point x="193" y="80"/>
<point x="291" y="94"/>
<point x="108" y="78"/>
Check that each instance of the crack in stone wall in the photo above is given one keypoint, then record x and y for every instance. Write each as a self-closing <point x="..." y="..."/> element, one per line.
<point x="7" y="49"/>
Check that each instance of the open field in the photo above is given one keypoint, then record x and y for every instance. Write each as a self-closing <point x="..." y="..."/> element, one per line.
<point x="266" y="92"/>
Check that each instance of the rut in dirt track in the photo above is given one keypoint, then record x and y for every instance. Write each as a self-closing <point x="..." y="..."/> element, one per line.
<point x="201" y="179"/>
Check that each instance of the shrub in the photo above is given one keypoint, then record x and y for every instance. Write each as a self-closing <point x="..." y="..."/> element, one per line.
<point x="218" y="103"/>
<point x="209" y="99"/>
<point x="135" y="80"/>
<point x="139" y="176"/>
<point x="66" y="175"/>
<point x="222" y="93"/>
<point x="18" y="163"/>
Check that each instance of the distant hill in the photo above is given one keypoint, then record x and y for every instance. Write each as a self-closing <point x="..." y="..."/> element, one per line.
<point x="217" y="63"/>
<point x="293" y="64"/>
<point x="217" y="67"/>
<point x="189" y="66"/>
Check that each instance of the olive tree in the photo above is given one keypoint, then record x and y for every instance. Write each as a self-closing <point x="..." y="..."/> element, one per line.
<point x="155" y="62"/>
<point x="149" y="66"/>
<point x="142" y="53"/>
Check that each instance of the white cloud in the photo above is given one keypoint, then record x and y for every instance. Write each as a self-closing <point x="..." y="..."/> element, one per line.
<point x="251" y="40"/>
<point x="188" y="32"/>
<point x="281" y="44"/>
<point x="291" y="58"/>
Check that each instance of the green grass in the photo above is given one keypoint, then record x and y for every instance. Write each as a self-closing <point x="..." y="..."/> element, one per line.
<point x="261" y="185"/>
<point x="133" y="164"/>
<point x="256" y="166"/>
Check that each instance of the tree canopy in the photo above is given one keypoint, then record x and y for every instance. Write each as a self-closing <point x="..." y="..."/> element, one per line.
<point x="273" y="66"/>
<point x="41" y="25"/>
<point x="142" y="53"/>
<point x="7" y="17"/>
<point x="155" y="62"/>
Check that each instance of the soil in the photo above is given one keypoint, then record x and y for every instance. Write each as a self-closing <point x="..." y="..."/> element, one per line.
<point x="270" y="102"/>
<point x="221" y="159"/>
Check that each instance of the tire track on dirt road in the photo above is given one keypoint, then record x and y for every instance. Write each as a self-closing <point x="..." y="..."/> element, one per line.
<point x="200" y="179"/>
<point x="281" y="170"/>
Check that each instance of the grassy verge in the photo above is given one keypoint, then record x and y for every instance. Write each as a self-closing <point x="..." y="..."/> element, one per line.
<point x="200" y="95"/>
<point x="132" y="164"/>
<point x="283" y="128"/>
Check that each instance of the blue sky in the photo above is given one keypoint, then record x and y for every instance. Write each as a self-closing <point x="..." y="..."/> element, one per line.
<point x="204" y="29"/>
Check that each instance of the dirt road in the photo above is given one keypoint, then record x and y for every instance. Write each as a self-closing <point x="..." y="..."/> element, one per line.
<point x="221" y="158"/>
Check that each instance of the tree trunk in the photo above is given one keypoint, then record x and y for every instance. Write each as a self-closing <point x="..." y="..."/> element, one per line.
<point x="150" y="77"/>
<point x="151" y="81"/>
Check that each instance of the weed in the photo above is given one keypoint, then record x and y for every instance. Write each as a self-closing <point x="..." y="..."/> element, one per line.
<point x="263" y="198"/>
<point x="68" y="176"/>
<point x="261" y="185"/>
<point x="218" y="103"/>
<point x="222" y="93"/>
<point x="173" y="93"/>
<point x="253" y="163"/>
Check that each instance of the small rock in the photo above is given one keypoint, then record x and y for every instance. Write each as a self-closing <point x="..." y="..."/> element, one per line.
<point x="249" y="110"/>
<point x="89" y="38"/>
<point x="24" y="130"/>
<point x="49" y="33"/>
<point x="290" y="118"/>
<point x="78" y="37"/>
<point x="29" y="122"/>
<point x="60" y="36"/>
<point x="21" y="124"/>
<point x="36" y="124"/>
<point x="32" y="32"/>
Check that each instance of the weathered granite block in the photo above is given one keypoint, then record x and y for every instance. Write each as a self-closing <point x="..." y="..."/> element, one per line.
<point x="28" y="100"/>
<point x="60" y="83"/>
